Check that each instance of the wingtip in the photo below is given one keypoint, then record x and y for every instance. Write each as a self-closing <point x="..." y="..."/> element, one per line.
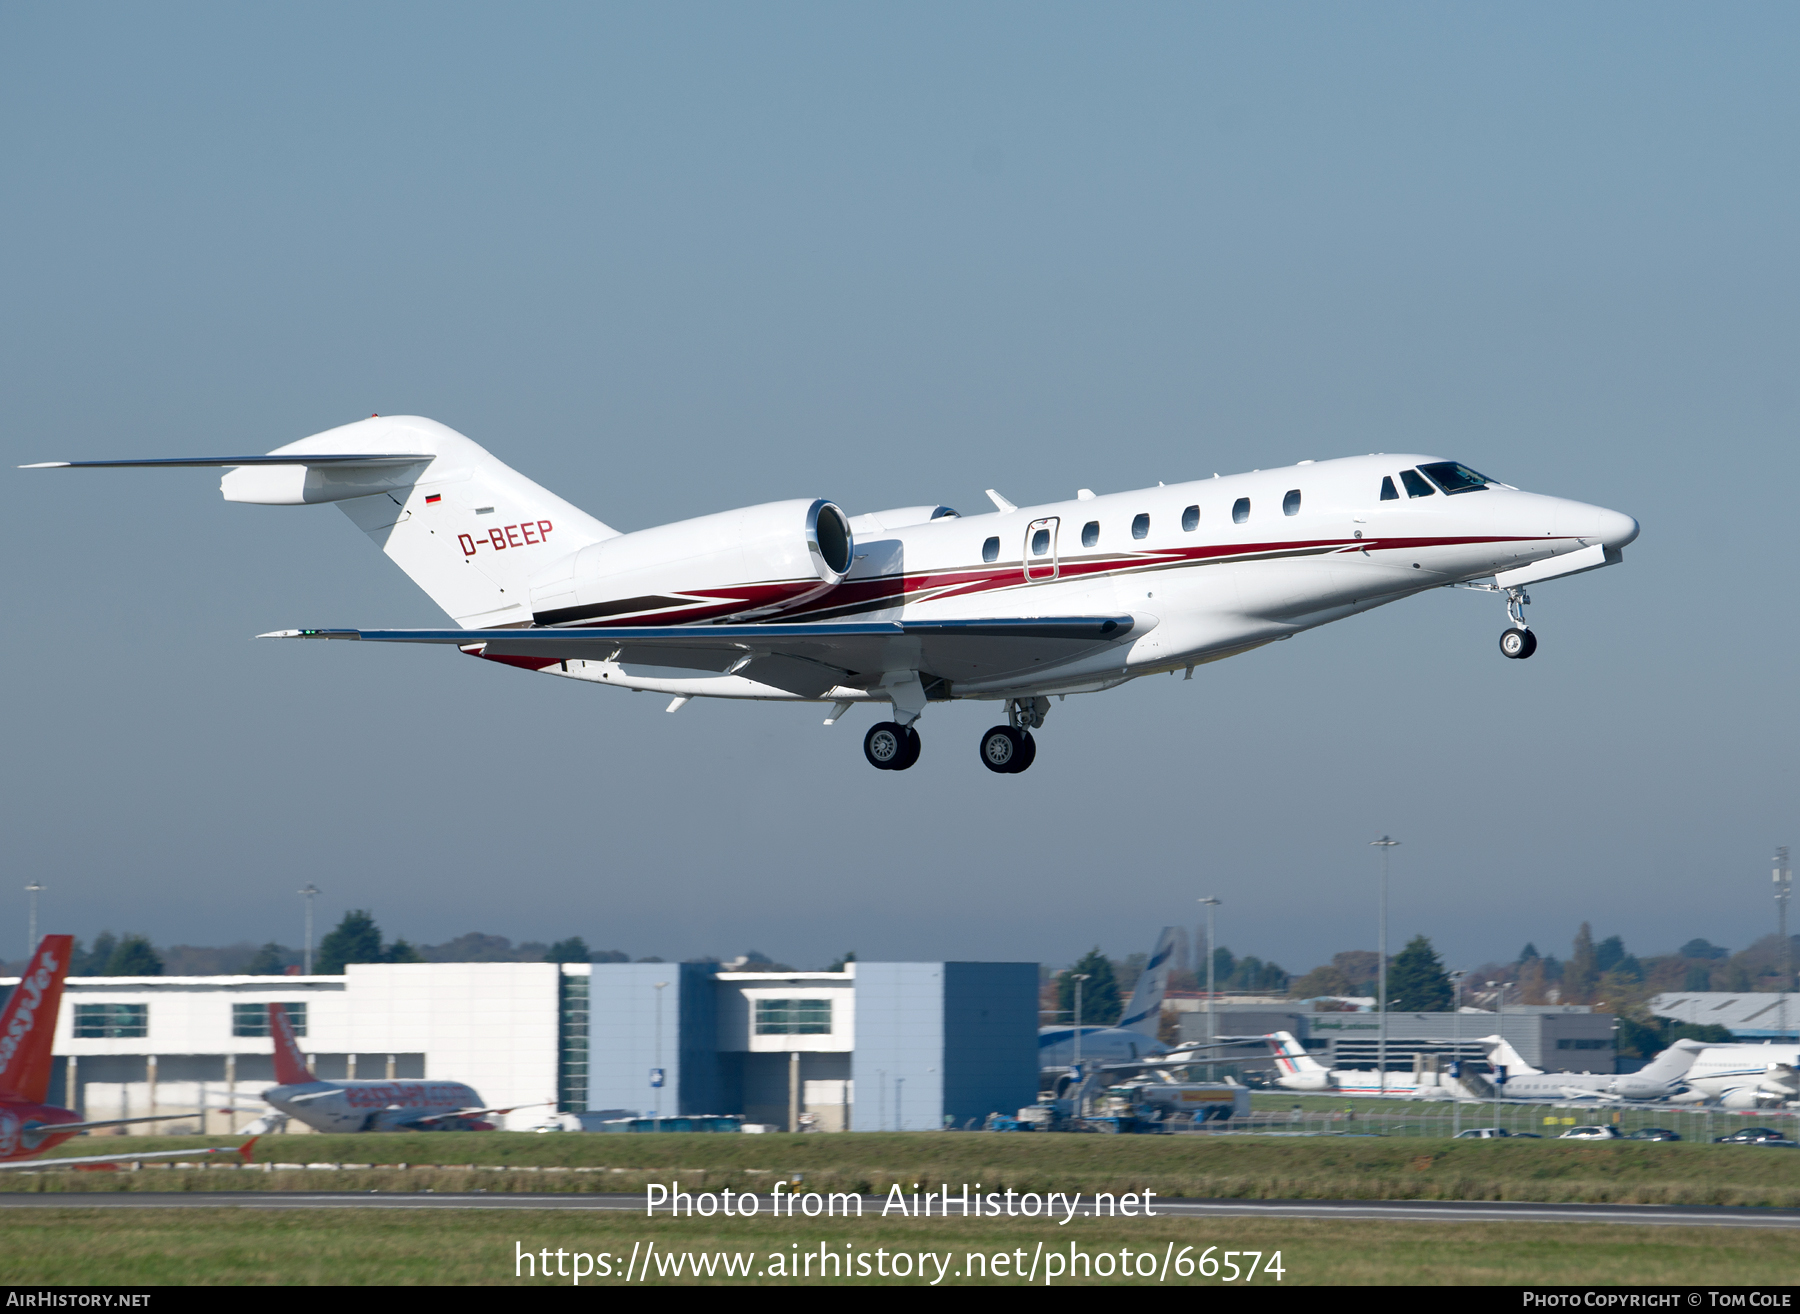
<point x="47" y="465"/>
<point x="280" y="634"/>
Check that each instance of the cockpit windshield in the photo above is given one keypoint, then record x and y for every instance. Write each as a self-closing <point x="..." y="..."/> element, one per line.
<point x="1454" y="477"/>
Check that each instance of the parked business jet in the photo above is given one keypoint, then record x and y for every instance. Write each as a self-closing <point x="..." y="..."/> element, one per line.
<point x="367" y="1105"/>
<point x="1134" y="1038"/>
<point x="916" y="605"/>
<point x="28" y="1126"/>
<point x="1745" y="1076"/>
<point x="1656" y="1080"/>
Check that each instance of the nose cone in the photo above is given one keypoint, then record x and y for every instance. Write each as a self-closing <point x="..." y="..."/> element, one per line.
<point x="1617" y="529"/>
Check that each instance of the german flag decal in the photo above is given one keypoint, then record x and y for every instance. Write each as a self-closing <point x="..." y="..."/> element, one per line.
<point x="435" y="497"/>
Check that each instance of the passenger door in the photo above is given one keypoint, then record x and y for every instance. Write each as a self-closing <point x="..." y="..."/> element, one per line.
<point x="1041" y="562"/>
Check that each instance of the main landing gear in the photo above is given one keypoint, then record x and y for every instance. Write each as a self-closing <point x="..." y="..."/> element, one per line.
<point x="1518" y="642"/>
<point x="1009" y="749"/>
<point x="890" y="746"/>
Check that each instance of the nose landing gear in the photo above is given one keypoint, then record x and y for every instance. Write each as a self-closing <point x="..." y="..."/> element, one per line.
<point x="1009" y="749"/>
<point x="1518" y="642"/>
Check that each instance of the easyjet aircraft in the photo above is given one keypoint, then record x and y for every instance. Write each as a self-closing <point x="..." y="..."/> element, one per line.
<point x="28" y="1126"/>
<point x="366" y="1105"/>
<point x="916" y="605"/>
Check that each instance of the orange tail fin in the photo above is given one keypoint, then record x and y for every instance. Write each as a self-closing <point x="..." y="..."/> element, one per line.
<point x="290" y="1063"/>
<point x="28" y="1026"/>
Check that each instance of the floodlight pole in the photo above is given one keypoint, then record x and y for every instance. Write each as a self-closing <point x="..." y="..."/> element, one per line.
<point x="1456" y="980"/>
<point x="1386" y="845"/>
<point x="1080" y="1076"/>
<point x="311" y="891"/>
<point x="1212" y="1026"/>
<point x="656" y="1113"/>
<point x="1784" y="884"/>
<point x="34" y="889"/>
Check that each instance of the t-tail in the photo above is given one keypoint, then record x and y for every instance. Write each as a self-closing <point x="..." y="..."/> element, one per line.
<point x="1144" y="1012"/>
<point x="1291" y="1056"/>
<point x="1671" y="1065"/>
<point x="290" y="1063"/>
<point x="470" y="530"/>
<point x="1503" y="1055"/>
<point x="28" y="1026"/>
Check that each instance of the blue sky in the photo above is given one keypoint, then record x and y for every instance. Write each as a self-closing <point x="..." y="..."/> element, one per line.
<point x="672" y="259"/>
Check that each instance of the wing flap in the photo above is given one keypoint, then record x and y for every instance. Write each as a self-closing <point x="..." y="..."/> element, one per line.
<point x="799" y="658"/>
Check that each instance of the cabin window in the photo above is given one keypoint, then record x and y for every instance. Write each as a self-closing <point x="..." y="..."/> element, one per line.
<point x="1140" y="526"/>
<point x="1240" y="510"/>
<point x="253" y="1019"/>
<point x="1090" y="534"/>
<point x="990" y="550"/>
<point x="1388" y="492"/>
<point x="1290" y="505"/>
<point x="1040" y="542"/>
<point x="112" y="1021"/>
<point x="1190" y="519"/>
<point x="1454" y="477"/>
<point x="1415" y="484"/>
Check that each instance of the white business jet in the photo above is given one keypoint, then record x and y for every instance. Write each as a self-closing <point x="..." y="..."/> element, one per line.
<point x="799" y="600"/>
<point x="1745" y="1076"/>
<point x="1656" y="1080"/>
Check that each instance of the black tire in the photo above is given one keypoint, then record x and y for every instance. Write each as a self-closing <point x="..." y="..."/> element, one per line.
<point x="1518" y="644"/>
<point x="911" y="753"/>
<point x="1027" y="753"/>
<point x="885" y="745"/>
<point x="1000" y="748"/>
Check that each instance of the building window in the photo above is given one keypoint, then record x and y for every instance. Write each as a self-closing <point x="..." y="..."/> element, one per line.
<point x="572" y="1054"/>
<point x="112" y="1021"/>
<point x="1190" y="519"/>
<point x="1140" y="526"/>
<point x="793" y="1017"/>
<point x="1090" y="534"/>
<point x="1584" y="1044"/>
<point x="990" y="550"/>
<point x="253" y="1019"/>
<point x="1240" y="510"/>
<point x="1290" y="505"/>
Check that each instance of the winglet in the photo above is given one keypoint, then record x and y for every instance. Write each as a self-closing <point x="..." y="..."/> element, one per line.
<point x="1000" y="502"/>
<point x="28" y="1026"/>
<point x="244" y="1150"/>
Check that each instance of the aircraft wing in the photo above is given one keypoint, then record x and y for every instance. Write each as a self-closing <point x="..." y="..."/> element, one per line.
<point x="57" y="1128"/>
<point x="474" y="1113"/>
<point x="242" y="1151"/>
<point x="806" y="660"/>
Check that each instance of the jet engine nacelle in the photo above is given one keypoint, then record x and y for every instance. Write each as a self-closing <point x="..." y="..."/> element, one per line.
<point x="1747" y="1097"/>
<point x="736" y="565"/>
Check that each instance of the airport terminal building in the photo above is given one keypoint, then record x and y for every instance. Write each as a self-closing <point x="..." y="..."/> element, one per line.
<point x="877" y="1046"/>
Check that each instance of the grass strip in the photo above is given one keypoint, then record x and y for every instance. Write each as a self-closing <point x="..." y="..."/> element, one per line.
<point x="1210" y="1168"/>
<point x="362" y="1247"/>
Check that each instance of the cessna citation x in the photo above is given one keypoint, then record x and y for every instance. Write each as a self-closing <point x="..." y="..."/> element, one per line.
<point x="800" y="600"/>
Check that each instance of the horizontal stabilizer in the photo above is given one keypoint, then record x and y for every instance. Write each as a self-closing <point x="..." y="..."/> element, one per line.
<point x="296" y="458"/>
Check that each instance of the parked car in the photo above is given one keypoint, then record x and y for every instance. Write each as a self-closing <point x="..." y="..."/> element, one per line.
<point x="1590" y="1134"/>
<point x="1653" y="1134"/>
<point x="1525" y="1136"/>
<point x="1482" y="1134"/>
<point x="1753" y="1136"/>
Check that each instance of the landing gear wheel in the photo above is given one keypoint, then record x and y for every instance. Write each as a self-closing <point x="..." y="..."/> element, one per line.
<point x="1001" y="747"/>
<point x="1027" y="753"/>
<point x="886" y="746"/>
<point x="911" y="752"/>
<point x="1518" y="644"/>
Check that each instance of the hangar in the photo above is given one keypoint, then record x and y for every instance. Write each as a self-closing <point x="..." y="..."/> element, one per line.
<point x="876" y="1046"/>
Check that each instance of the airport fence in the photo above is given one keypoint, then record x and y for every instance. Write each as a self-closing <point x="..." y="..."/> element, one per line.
<point x="1323" y="1116"/>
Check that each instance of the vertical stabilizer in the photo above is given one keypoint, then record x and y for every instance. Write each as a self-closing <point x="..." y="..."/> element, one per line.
<point x="1502" y="1054"/>
<point x="1672" y="1064"/>
<point x="1144" y="1012"/>
<point x="290" y="1063"/>
<point x="1291" y="1056"/>
<point x="28" y="1026"/>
